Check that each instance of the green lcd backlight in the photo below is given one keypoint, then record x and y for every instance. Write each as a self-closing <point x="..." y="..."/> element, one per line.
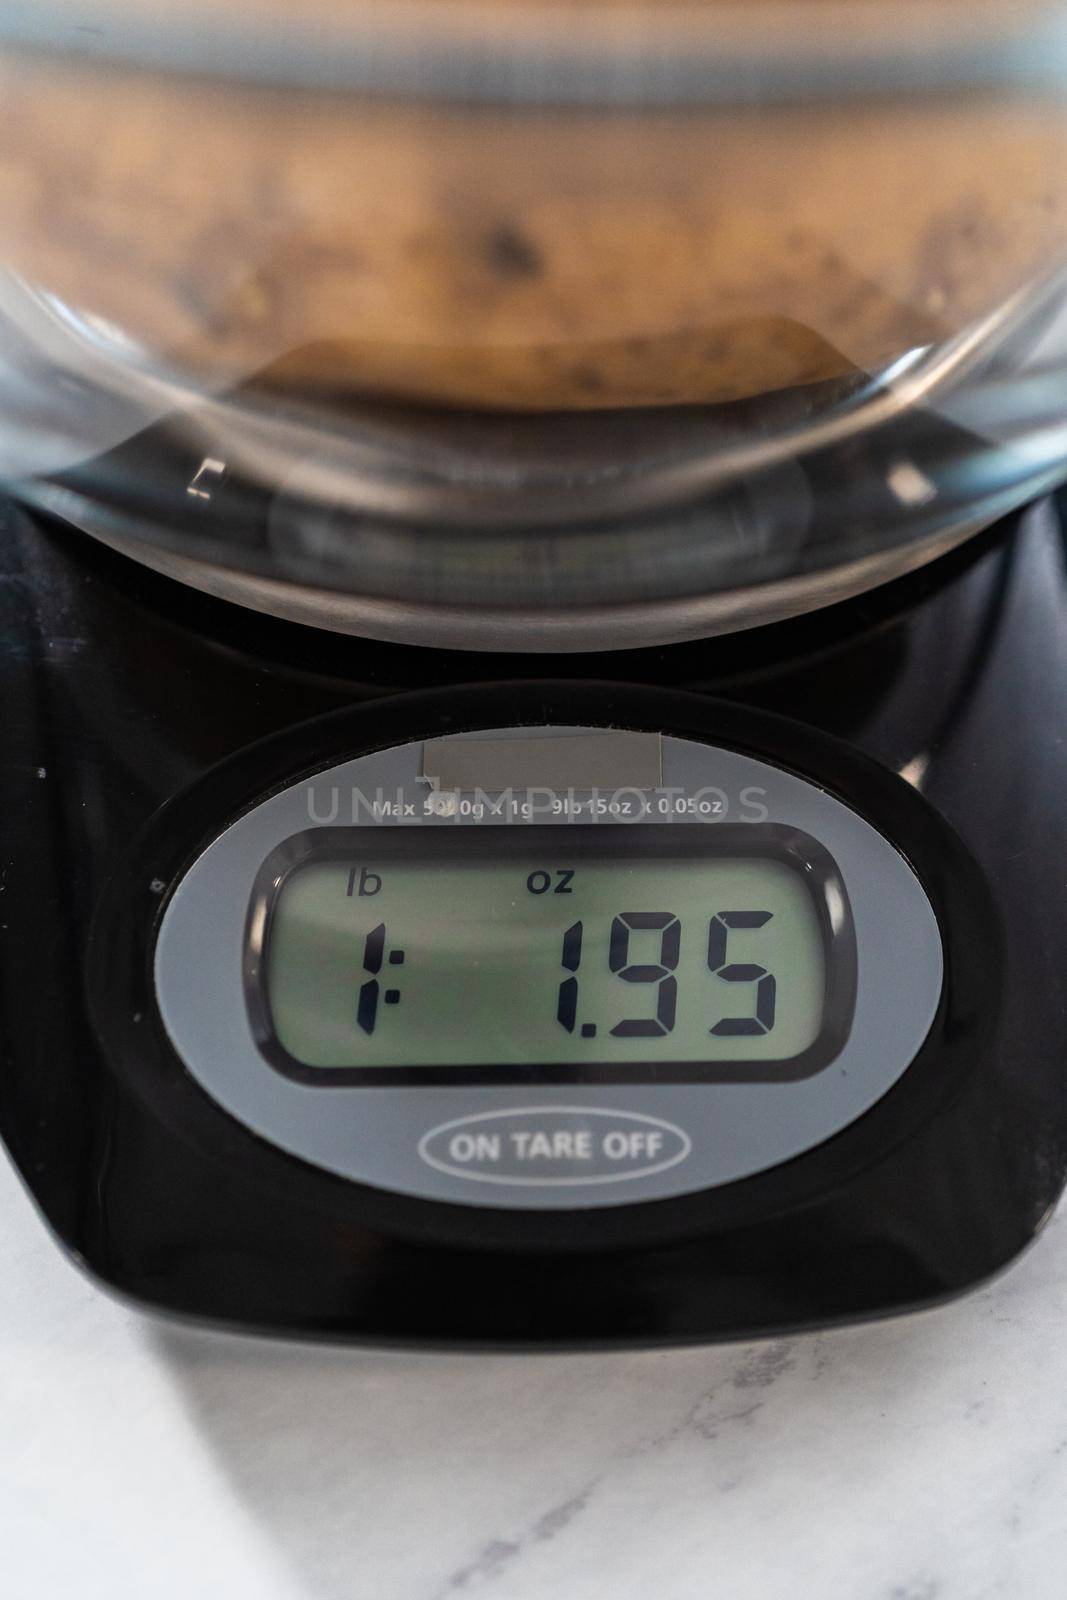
<point x="573" y="956"/>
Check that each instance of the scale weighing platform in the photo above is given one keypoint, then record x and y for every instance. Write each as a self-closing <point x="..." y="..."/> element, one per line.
<point x="541" y="1010"/>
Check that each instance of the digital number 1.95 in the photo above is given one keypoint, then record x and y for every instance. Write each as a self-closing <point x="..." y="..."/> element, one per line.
<point x="661" y="973"/>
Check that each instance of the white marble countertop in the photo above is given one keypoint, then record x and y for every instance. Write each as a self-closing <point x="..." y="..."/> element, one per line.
<point x="921" y="1458"/>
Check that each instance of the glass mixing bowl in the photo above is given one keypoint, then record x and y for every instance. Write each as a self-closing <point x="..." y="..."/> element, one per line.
<point x="532" y="325"/>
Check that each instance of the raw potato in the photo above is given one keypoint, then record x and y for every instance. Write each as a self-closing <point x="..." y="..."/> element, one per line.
<point x="523" y="259"/>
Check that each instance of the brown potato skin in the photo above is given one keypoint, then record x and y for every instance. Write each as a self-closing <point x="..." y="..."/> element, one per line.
<point x="522" y="259"/>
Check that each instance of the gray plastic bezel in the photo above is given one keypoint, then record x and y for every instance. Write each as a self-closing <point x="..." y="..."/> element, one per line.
<point x="711" y="1133"/>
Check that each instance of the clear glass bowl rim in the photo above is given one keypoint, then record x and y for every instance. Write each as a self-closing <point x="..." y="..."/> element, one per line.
<point x="639" y="53"/>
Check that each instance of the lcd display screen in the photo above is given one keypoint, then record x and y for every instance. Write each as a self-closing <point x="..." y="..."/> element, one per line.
<point x="423" y="948"/>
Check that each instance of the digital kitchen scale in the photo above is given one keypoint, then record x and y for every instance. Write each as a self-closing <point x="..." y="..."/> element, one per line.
<point x="360" y="991"/>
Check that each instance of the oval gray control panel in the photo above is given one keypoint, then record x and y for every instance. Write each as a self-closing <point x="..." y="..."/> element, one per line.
<point x="548" y="1144"/>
